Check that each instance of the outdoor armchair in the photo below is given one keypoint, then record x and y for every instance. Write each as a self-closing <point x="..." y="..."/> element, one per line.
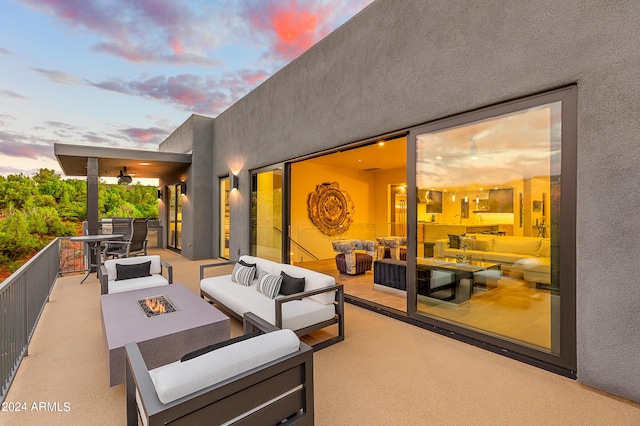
<point x="270" y="384"/>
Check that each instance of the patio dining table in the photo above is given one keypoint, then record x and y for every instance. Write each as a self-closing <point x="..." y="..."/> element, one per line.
<point x="94" y="242"/>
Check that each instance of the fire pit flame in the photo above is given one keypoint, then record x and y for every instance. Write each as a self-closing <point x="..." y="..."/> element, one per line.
<point x="156" y="305"/>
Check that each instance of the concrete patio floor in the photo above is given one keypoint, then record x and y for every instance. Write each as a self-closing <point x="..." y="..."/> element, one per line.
<point x="385" y="372"/>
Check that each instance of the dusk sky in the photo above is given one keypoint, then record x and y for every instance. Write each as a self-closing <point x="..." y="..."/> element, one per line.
<point x="126" y="73"/>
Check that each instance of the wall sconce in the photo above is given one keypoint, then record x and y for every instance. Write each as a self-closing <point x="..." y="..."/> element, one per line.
<point x="234" y="181"/>
<point x="183" y="188"/>
<point x="453" y="197"/>
<point x="159" y="194"/>
<point x="466" y="199"/>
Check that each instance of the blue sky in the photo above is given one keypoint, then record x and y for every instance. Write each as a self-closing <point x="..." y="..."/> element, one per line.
<point x="126" y="73"/>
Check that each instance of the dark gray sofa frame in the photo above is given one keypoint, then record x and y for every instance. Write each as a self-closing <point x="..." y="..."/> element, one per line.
<point x="226" y="400"/>
<point x="337" y="319"/>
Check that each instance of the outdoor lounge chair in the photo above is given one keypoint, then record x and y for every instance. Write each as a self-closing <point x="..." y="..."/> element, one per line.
<point x="264" y="379"/>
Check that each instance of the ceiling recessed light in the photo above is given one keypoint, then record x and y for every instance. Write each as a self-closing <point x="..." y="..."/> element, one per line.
<point x="380" y="143"/>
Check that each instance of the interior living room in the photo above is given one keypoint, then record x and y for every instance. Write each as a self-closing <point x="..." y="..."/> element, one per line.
<point x="483" y="240"/>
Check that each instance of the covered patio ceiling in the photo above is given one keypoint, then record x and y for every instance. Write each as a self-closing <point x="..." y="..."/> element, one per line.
<point x="139" y="164"/>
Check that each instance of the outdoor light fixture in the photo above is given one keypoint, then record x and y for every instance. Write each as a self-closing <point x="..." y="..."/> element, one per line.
<point x="159" y="194"/>
<point x="183" y="188"/>
<point x="234" y="181"/>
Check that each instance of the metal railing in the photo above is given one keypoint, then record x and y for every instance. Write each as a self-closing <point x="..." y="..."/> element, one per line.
<point x="22" y="298"/>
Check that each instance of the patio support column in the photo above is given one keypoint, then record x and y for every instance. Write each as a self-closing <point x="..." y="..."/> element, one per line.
<point x="92" y="198"/>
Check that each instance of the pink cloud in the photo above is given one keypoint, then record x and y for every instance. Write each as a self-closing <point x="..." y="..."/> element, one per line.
<point x="142" y="30"/>
<point x="12" y="95"/>
<point x="294" y="26"/>
<point x="15" y="146"/>
<point x="144" y="134"/>
<point x="208" y="95"/>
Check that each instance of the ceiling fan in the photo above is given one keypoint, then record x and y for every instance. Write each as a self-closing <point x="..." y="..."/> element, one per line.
<point x="124" y="178"/>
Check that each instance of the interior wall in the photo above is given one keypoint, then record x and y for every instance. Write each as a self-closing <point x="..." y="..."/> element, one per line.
<point x="305" y="176"/>
<point x="382" y="190"/>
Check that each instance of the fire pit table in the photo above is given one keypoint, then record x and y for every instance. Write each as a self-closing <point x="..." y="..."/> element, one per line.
<point x="167" y="322"/>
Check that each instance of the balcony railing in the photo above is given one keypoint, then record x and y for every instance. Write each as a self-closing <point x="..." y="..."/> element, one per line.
<point x="22" y="299"/>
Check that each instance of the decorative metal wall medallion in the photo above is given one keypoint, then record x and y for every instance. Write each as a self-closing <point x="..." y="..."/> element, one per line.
<point x="330" y="209"/>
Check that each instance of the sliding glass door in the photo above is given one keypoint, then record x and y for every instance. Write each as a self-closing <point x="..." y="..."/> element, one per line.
<point x="493" y="184"/>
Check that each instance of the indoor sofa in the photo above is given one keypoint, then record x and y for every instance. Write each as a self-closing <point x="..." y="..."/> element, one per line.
<point x="306" y="301"/>
<point x="525" y="256"/>
<point x="133" y="273"/>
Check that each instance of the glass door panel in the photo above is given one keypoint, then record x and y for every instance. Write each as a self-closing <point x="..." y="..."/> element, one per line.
<point x="266" y="214"/>
<point x="224" y="217"/>
<point x="490" y="210"/>
<point x="174" y="239"/>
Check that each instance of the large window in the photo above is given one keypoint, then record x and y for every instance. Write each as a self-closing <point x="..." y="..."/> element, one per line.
<point x="489" y="196"/>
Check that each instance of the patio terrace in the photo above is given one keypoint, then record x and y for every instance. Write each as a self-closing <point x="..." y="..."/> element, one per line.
<point x="385" y="372"/>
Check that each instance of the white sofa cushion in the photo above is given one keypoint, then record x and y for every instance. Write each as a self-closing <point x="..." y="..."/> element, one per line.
<point x="136" y="283"/>
<point x="296" y="314"/>
<point x="178" y="379"/>
<point x="262" y="265"/>
<point x="313" y="281"/>
<point x="110" y="265"/>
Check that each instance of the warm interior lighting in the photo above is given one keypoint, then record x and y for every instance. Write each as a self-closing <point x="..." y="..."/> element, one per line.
<point x="466" y="199"/>
<point x="144" y="164"/>
<point x="380" y="143"/>
<point x="453" y="197"/>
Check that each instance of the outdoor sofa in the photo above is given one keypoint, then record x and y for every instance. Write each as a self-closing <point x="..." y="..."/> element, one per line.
<point x="306" y="301"/>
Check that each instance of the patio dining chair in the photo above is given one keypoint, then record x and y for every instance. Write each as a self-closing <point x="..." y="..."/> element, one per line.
<point x="138" y="244"/>
<point x="119" y="248"/>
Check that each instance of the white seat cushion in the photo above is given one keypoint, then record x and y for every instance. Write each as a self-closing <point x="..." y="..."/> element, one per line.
<point x="312" y="281"/>
<point x="241" y="299"/>
<point x="178" y="379"/>
<point x="136" y="283"/>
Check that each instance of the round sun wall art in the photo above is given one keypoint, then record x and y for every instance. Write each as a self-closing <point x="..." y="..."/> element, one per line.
<point x="330" y="209"/>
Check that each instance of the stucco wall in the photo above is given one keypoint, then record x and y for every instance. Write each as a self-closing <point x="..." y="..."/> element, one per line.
<point x="398" y="64"/>
<point x="195" y="135"/>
